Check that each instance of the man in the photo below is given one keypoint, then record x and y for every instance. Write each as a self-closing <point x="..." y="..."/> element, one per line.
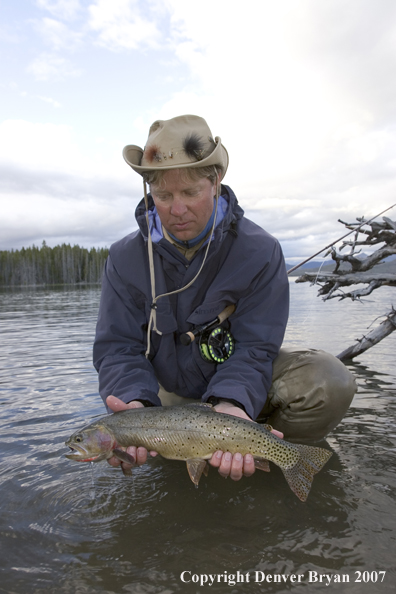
<point x="193" y="255"/>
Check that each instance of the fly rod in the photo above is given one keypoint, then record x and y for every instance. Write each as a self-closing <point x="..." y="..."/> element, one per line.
<point x="188" y="337"/>
<point x="337" y="240"/>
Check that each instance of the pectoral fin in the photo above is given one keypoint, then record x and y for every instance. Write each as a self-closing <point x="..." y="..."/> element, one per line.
<point x="195" y="469"/>
<point x="262" y="464"/>
<point x="126" y="471"/>
<point x="124" y="456"/>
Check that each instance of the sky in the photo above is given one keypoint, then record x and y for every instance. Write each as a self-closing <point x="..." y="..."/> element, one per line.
<point x="301" y="92"/>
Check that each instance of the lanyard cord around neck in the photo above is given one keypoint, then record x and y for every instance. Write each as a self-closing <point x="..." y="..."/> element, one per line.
<point x="152" y="324"/>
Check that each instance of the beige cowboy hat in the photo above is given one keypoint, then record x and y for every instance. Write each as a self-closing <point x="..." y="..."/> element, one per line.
<point x="184" y="141"/>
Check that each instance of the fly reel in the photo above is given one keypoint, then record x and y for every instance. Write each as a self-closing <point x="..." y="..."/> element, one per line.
<point x="216" y="346"/>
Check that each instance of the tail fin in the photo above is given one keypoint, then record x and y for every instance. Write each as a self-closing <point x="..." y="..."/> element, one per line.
<point x="300" y="477"/>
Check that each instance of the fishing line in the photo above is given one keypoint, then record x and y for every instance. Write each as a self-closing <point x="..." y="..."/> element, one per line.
<point x="315" y="282"/>
<point x="92" y="492"/>
<point x="339" y="239"/>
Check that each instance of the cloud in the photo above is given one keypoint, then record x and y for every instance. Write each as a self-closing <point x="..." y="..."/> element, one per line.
<point x="52" y="67"/>
<point x="84" y="221"/>
<point x="120" y="24"/>
<point x="52" y="156"/>
<point x="57" y="35"/>
<point x="63" y="9"/>
<point x="43" y="203"/>
<point x="49" y="100"/>
<point x="52" y="190"/>
<point x="38" y="146"/>
<point x="302" y="94"/>
<point x="10" y="34"/>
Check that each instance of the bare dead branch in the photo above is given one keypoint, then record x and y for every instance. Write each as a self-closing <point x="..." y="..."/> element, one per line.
<point x="374" y="337"/>
<point x="381" y="235"/>
<point x="347" y="279"/>
<point x="361" y="265"/>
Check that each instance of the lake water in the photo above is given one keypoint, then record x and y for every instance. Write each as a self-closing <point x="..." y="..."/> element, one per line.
<point x="146" y="534"/>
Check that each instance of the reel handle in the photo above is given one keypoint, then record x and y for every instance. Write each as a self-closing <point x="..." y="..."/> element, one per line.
<point x="188" y="337"/>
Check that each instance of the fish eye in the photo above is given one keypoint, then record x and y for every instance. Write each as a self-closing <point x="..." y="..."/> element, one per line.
<point x="78" y="438"/>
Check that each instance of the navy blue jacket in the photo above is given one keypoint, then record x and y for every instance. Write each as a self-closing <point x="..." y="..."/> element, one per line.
<point x="245" y="266"/>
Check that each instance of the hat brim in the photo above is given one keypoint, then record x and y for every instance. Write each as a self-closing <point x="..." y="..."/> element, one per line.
<point x="133" y="156"/>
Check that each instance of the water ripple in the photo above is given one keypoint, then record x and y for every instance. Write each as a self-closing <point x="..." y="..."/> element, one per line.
<point x="62" y="531"/>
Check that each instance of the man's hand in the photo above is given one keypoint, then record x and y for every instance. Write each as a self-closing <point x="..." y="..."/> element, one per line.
<point x="235" y="466"/>
<point x="140" y="454"/>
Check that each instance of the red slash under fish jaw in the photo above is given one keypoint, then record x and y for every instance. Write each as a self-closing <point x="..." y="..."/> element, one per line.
<point x="91" y="446"/>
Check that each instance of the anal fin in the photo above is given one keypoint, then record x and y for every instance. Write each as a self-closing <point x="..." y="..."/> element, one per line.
<point x="196" y="467"/>
<point x="262" y="464"/>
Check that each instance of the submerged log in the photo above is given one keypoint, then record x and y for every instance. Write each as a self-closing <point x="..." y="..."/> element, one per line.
<point x="362" y="344"/>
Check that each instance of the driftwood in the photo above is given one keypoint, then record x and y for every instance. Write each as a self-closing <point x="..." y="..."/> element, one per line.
<point x="362" y="344"/>
<point x="334" y="282"/>
<point x="350" y="269"/>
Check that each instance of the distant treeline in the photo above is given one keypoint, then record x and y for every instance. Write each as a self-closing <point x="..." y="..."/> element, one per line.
<point x="62" y="264"/>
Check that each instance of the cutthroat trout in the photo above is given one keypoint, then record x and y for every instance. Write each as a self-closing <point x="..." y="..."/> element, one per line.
<point x="193" y="432"/>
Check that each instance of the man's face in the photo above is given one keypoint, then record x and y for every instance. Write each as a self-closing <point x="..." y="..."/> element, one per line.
<point x="183" y="206"/>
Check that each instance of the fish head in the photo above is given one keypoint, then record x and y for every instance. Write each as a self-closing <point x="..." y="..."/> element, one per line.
<point x="91" y="444"/>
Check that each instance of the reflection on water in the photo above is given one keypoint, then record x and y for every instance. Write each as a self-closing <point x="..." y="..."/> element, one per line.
<point x="138" y="535"/>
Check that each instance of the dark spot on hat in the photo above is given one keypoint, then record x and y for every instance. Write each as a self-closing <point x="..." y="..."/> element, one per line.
<point x="194" y="147"/>
<point x="152" y="153"/>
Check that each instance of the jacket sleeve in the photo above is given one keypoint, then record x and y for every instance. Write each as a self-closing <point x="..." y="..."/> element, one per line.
<point x="120" y="343"/>
<point x="258" y="326"/>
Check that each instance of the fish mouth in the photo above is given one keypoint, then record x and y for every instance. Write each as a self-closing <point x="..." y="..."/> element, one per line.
<point x="80" y="454"/>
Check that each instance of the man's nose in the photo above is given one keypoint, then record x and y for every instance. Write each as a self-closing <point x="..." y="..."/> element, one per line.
<point x="178" y="207"/>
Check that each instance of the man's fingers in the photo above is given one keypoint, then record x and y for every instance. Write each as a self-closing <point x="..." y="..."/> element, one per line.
<point x="225" y="464"/>
<point x="113" y="461"/>
<point x="277" y="433"/>
<point x="140" y="455"/>
<point x="235" y="466"/>
<point x="248" y="465"/>
<point x="216" y="459"/>
<point x="116" y="404"/>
